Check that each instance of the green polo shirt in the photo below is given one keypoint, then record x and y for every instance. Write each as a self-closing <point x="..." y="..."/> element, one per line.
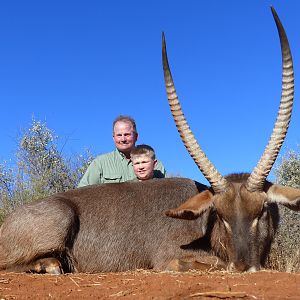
<point x="113" y="167"/>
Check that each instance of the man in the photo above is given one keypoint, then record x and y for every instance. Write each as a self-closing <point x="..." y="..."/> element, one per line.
<point x="117" y="166"/>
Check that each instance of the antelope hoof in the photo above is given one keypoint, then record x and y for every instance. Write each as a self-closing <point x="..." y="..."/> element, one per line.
<point x="47" y="265"/>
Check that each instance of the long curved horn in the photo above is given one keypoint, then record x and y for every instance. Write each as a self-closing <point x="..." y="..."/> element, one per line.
<point x="261" y="171"/>
<point x="216" y="180"/>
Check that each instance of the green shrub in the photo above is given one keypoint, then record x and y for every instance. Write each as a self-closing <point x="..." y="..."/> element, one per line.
<point x="285" y="254"/>
<point x="40" y="169"/>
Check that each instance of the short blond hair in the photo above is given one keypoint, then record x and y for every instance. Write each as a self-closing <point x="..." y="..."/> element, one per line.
<point x="143" y="150"/>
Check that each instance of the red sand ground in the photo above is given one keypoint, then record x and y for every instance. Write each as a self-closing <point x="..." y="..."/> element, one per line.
<point x="151" y="285"/>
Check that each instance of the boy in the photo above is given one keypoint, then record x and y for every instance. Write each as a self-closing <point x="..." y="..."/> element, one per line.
<point x="143" y="161"/>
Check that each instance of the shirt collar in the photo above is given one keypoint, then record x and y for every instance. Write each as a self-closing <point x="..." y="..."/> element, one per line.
<point x="122" y="155"/>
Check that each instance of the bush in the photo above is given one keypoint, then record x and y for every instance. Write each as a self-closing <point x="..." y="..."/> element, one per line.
<point x="284" y="254"/>
<point x="41" y="169"/>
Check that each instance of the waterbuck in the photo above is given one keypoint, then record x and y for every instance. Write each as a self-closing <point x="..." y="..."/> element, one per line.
<point x="118" y="227"/>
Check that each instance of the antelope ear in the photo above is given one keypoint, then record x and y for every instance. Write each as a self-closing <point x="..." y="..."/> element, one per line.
<point x="285" y="195"/>
<point x="192" y="208"/>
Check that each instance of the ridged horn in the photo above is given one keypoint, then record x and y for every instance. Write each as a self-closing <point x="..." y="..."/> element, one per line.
<point x="216" y="180"/>
<point x="261" y="171"/>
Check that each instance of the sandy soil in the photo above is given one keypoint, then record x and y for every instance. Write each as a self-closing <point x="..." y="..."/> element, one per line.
<point x="151" y="285"/>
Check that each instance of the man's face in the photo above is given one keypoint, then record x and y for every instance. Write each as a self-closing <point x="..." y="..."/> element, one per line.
<point x="124" y="136"/>
<point x="143" y="166"/>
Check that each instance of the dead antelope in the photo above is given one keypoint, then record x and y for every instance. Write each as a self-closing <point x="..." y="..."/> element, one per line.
<point x="118" y="227"/>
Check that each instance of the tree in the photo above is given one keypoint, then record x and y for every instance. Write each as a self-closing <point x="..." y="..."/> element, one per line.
<point x="288" y="170"/>
<point x="285" y="249"/>
<point x="41" y="169"/>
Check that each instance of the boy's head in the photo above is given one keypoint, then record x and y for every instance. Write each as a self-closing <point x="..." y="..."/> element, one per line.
<point x="144" y="161"/>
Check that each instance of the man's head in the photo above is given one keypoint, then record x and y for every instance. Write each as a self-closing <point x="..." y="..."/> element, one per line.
<point x="124" y="134"/>
<point x="143" y="160"/>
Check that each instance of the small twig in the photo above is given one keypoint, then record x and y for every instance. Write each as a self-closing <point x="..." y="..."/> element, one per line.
<point x="240" y="284"/>
<point x="77" y="278"/>
<point x="2" y="289"/>
<point x="74" y="281"/>
<point x="222" y="295"/>
<point x="91" y="284"/>
<point x="4" y="280"/>
<point x="120" y="294"/>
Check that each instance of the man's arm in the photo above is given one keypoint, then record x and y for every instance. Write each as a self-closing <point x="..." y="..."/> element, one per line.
<point x="92" y="175"/>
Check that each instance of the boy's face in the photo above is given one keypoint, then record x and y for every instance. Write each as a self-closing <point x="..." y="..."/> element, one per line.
<point x="143" y="166"/>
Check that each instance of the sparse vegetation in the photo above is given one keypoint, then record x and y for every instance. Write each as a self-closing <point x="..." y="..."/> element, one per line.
<point x="285" y="252"/>
<point x="40" y="169"/>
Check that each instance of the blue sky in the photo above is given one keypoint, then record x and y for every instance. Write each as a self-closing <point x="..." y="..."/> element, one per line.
<point x="76" y="65"/>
